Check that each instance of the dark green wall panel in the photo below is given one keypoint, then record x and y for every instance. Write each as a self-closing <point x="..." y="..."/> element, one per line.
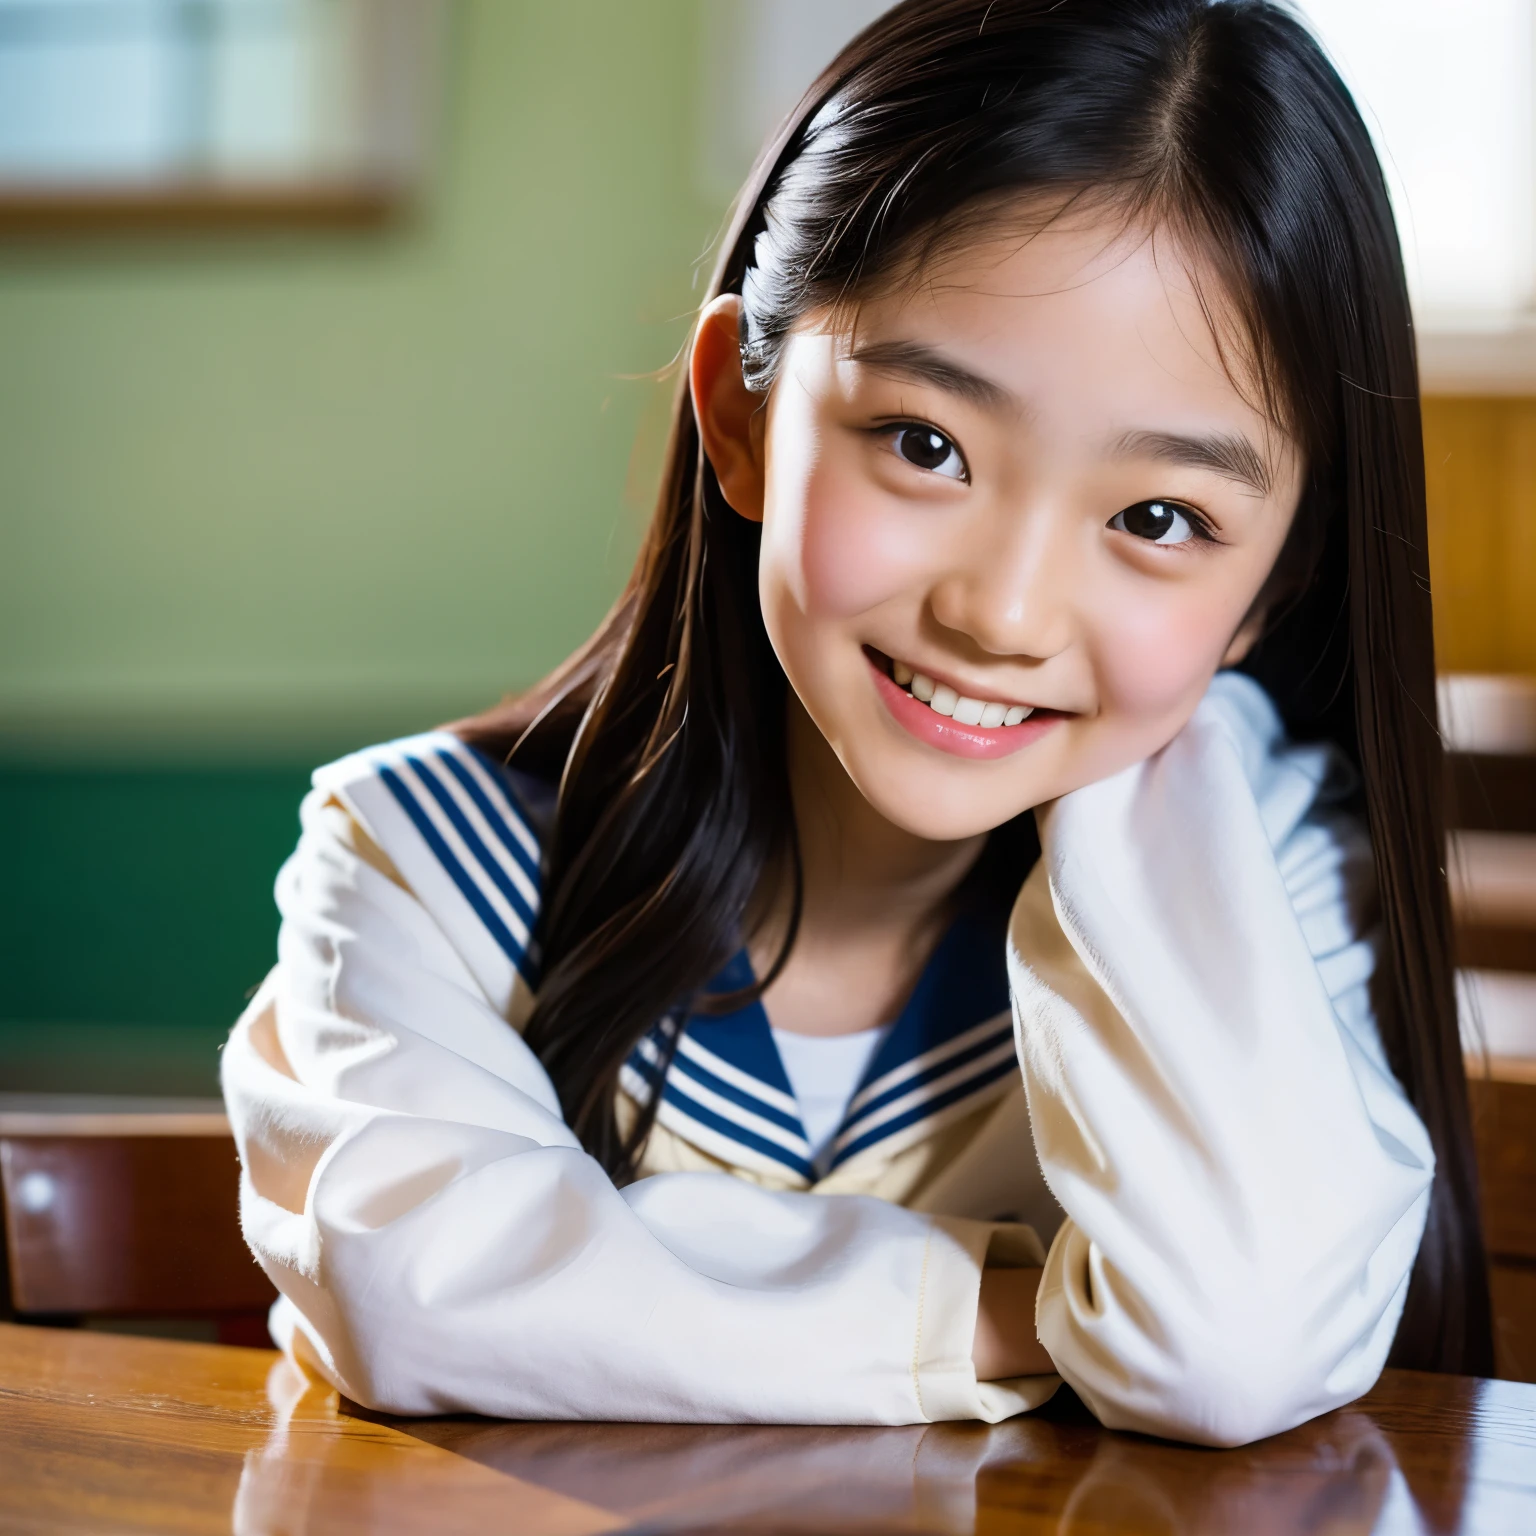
<point x="139" y="896"/>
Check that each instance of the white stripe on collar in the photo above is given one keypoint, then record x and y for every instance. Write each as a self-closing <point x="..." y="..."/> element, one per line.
<point x="460" y="829"/>
<point x="982" y="1033"/>
<point x="956" y="1028"/>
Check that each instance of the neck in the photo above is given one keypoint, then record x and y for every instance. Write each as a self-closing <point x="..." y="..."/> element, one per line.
<point x="868" y="887"/>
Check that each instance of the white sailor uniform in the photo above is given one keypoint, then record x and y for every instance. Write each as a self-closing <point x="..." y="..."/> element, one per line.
<point x="1162" y="1082"/>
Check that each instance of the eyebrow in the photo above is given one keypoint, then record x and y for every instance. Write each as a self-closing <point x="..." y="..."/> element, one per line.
<point x="922" y="364"/>
<point x="1231" y="456"/>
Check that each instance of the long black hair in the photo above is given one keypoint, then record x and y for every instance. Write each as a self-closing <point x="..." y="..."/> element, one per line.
<point x="1222" y="120"/>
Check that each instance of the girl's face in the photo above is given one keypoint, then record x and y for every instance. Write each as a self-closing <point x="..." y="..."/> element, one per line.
<point x="1023" y="486"/>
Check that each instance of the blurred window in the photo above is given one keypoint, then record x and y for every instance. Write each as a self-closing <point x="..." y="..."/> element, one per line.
<point x="1447" y="90"/>
<point x="124" y="96"/>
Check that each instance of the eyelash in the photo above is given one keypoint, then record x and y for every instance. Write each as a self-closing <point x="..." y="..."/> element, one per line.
<point x="1200" y="527"/>
<point x="892" y="431"/>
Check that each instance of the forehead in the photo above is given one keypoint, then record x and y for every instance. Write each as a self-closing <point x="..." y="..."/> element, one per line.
<point x="1083" y="310"/>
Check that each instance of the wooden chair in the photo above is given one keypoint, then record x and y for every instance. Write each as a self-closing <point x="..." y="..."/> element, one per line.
<point x="125" y="1211"/>
<point x="1496" y="793"/>
<point x="1504" y="1118"/>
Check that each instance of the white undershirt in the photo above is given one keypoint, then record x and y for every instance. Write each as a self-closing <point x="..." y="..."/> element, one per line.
<point x="824" y="1071"/>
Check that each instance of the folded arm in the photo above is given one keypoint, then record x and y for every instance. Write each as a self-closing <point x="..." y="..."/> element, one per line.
<point x="1244" y="1181"/>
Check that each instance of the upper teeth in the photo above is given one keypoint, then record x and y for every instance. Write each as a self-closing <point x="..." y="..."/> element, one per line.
<point x="943" y="700"/>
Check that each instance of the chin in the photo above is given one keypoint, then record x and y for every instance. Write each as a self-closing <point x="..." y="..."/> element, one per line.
<point x="944" y="809"/>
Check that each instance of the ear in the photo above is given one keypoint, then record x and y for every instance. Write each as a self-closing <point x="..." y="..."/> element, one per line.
<point x="731" y="418"/>
<point x="1246" y="637"/>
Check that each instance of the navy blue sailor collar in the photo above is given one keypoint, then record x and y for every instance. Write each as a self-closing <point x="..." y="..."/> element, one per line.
<point x="480" y="827"/>
<point x="949" y="1052"/>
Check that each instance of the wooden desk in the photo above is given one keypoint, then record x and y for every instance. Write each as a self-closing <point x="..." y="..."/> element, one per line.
<point x="101" y="1433"/>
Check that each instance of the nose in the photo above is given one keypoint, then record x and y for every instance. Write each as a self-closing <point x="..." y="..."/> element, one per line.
<point x="1010" y="589"/>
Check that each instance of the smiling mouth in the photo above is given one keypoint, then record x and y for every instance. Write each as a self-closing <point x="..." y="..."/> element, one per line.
<point x="989" y="714"/>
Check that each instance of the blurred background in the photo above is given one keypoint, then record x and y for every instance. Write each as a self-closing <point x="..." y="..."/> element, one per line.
<point x="330" y="334"/>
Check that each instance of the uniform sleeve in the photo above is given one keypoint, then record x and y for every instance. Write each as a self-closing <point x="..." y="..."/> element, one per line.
<point x="442" y="1243"/>
<point x="1244" y="1181"/>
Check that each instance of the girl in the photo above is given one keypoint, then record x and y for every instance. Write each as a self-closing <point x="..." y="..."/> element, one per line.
<point x="705" y="1035"/>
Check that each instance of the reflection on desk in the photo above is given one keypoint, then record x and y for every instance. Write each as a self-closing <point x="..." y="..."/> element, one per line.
<point x="115" y="1434"/>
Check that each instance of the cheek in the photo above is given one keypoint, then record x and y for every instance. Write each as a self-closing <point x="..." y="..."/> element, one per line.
<point x="1154" y="658"/>
<point x="838" y="543"/>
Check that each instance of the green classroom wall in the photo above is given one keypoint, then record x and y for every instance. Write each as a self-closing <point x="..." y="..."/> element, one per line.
<point x="267" y="496"/>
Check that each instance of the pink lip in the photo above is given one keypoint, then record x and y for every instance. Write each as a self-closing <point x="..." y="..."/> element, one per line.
<point x="962" y="740"/>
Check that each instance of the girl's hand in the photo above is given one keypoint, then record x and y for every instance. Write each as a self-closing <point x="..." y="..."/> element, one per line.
<point x="1005" y="1343"/>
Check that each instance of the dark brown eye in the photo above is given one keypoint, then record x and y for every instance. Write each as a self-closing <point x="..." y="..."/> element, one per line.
<point x="923" y="448"/>
<point x="1158" y="522"/>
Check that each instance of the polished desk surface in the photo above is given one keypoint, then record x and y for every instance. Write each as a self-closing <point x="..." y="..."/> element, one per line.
<point x="106" y="1433"/>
